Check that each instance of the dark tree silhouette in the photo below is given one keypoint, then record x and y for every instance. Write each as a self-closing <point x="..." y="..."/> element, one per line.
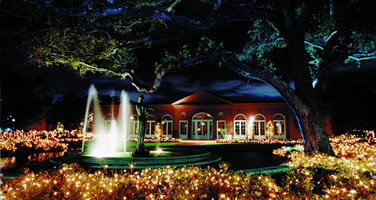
<point x="287" y="43"/>
<point x="23" y="99"/>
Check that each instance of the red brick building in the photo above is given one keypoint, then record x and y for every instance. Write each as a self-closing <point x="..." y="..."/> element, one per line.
<point x="205" y="116"/>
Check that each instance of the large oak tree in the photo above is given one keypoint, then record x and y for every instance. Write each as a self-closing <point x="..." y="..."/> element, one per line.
<point x="287" y="43"/>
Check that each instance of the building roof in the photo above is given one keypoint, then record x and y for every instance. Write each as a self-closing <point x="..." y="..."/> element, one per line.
<point x="201" y="97"/>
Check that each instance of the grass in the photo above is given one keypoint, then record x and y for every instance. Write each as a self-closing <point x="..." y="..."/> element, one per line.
<point x="131" y="144"/>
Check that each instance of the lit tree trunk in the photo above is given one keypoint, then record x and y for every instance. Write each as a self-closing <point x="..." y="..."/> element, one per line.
<point x="313" y="131"/>
<point x="306" y="106"/>
<point x="304" y="100"/>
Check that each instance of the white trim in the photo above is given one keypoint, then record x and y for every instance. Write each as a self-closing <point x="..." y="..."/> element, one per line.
<point x="186" y="129"/>
<point x="167" y="115"/>
<point x="218" y="135"/>
<point x="284" y="126"/>
<point x="211" y="117"/>
<point x="133" y="125"/>
<point x="258" y="123"/>
<point x="209" y="124"/>
<point x="169" y="121"/>
<point x="149" y="123"/>
<point x="239" y="136"/>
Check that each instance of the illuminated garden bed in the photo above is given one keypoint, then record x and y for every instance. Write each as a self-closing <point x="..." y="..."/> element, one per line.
<point x="20" y="142"/>
<point x="11" y="147"/>
<point x="250" y="141"/>
<point x="156" y="140"/>
<point x="350" y="175"/>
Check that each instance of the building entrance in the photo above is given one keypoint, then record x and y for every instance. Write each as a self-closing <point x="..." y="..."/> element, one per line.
<point x="202" y="126"/>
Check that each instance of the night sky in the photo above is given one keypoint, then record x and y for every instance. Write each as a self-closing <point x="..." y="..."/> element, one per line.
<point x="175" y="85"/>
<point x="350" y="84"/>
<point x="341" y="82"/>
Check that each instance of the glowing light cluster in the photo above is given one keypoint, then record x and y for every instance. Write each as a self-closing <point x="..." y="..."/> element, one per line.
<point x="349" y="175"/>
<point x="71" y="182"/>
<point x="11" y="146"/>
<point x="269" y="141"/>
<point x="63" y="136"/>
<point x="37" y="141"/>
<point x="156" y="140"/>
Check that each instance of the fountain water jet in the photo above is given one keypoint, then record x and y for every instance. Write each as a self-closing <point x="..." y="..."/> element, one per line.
<point x="110" y="133"/>
<point x="110" y="144"/>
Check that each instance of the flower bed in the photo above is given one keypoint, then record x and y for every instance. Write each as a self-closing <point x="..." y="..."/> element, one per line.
<point x="20" y="142"/>
<point x="18" y="146"/>
<point x="154" y="140"/>
<point x="250" y="141"/>
<point x="350" y="175"/>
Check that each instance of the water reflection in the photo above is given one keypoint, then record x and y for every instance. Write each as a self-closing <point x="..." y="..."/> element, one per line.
<point x="28" y="160"/>
<point x="8" y="162"/>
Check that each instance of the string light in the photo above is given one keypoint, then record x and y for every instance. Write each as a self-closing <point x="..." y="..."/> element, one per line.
<point x="350" y="174"/>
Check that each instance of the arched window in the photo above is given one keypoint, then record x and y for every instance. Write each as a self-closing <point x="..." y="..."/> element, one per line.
<point x="202" y="126"/>
<point x="279" y="123"/>
<point x="183" y="129"/>
<point x="133" y="123"/>
<point x="221" y="129"/>
<point x="150" y="125"/>
<point x="239" y="124"/>
<point x="167" y="125"/>
<point x="259" y="125"/>
<point x="202" y="116"/>
<point x="108" y="121"/>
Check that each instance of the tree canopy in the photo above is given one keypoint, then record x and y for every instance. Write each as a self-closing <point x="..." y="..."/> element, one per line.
<point x="289" y="44"/>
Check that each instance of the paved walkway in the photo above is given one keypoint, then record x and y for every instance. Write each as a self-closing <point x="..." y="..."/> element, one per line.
<point x="195" y="142"/>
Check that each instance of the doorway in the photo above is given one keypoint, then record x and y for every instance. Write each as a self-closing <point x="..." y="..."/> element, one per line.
<point x="202" y="124"/>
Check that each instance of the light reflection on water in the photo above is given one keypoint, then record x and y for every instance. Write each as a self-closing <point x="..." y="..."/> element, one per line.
<point x="32" y="159"/>
<point x="7" y="162"/>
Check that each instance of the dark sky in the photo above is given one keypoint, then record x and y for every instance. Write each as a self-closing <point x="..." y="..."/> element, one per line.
<point x="175" y="85"/>
<point x="350" y="84"/>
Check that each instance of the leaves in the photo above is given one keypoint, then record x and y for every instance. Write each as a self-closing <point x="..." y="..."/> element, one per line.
<point x="264" y="38"/>
<point x="82" y="52"/>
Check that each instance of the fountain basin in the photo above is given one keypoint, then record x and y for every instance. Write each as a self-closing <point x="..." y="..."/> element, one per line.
<point x="172" y="157"/>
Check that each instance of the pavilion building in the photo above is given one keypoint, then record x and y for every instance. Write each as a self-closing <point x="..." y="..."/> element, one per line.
<point x="204" y="116"/>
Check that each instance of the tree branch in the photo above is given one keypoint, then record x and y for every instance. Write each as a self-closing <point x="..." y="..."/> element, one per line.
<point x="314" y="45"/>
<point x="147" y="13"/>
<point x="179" y="64"/>
<point x="358" y="59"/>
<point x="260" y="74"/>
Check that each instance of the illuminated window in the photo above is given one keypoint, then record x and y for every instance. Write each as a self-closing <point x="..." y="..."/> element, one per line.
<point x="133" y="123"/>
<point x="167" y="125"/>
<point x="259" y="125"/>
<point x="202" y="126"/>
<point x="107" y="123"/>
<point x="221" y="128"/>
<point x="150" y="125"/>
<point x="202" y="116"/>
<point x="279" y="123"/>
<point x="239" y="123"/>
<point x="183" y="127"/>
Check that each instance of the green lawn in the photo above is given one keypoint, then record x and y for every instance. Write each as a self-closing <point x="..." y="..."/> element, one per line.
<point x="153" y="144"/>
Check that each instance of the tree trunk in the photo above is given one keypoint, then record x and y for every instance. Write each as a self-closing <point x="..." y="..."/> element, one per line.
<point x="313" y="131"/>
<point x="305" y="106"/>
<point x="304" y="100"/>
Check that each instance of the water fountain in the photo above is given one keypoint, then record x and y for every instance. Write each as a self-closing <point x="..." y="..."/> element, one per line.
<point x="110" y="133"/>
<point x="108" y="149"/>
